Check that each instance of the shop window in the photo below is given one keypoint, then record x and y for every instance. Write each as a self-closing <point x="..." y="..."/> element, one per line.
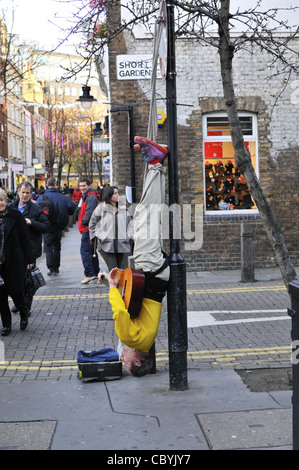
<point x="225" y="186"/>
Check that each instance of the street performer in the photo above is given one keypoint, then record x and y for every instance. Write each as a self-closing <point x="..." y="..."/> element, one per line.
<point x="138" y="334"/>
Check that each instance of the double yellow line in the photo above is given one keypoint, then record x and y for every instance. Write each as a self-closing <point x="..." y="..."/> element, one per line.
<point x="39" y="365"/>
<point x="189" y="292"/>
<point x="230" y="355"/>
<point x="229" y="290"/>
<point x="217" y="356"/>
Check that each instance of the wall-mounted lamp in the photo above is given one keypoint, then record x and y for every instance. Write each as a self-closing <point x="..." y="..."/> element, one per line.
<point x="86" y="100"/>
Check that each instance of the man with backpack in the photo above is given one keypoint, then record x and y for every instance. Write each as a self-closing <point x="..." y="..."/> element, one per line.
<point x="89" y="201"/>
<point x="58" y="208"/>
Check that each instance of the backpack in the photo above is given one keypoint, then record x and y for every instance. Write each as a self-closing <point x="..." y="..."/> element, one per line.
<point x="48" y="208"/>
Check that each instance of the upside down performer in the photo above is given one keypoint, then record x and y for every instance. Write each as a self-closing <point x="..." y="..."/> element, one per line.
<point x="137" y="335"/>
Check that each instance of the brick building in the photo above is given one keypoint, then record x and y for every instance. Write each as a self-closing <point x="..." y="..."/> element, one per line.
<point x="207" y="170"/>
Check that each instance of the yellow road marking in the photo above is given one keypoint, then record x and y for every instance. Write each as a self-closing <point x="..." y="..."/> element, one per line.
<point x="238" y="289"/>
<point x="189" y="292"/>
<point x="218" y="355"/>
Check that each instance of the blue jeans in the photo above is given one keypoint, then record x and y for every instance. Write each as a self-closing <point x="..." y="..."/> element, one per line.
<point x="89" y="261"/>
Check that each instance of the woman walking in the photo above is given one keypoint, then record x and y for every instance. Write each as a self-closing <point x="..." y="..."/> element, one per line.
<point x="111" y="229"/>
<point x="15" y="256"/>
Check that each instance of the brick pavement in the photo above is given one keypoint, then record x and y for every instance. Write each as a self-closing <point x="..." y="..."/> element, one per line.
<point x="66" y="318"/>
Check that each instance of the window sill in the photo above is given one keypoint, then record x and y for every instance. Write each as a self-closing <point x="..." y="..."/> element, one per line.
<point x="229" y="215"/>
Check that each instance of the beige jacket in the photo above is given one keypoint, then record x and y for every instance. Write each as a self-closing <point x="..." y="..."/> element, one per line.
<point x="113" y="230"/>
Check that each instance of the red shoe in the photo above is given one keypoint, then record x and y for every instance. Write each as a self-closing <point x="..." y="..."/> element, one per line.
<point x="153" y="152"/>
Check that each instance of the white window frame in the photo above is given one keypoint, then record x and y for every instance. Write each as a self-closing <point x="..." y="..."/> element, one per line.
<point x="247" y="138"/>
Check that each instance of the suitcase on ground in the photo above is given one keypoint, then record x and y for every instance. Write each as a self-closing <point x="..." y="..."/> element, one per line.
<point x="99" y="365"/>
<point x="99" y="371"/>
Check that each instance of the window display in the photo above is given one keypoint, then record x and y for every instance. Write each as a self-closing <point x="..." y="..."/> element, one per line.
<point x="225" y="186"/>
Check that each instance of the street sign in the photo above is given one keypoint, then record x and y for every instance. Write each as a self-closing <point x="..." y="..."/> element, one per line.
<point x="100" y="145"/>
<point x="161" y="117"/>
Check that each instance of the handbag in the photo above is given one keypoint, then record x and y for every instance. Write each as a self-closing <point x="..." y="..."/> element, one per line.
<point x="34" y="280"/>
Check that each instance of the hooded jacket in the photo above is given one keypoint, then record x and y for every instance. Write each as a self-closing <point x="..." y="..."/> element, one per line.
<point x="113" y="230"/>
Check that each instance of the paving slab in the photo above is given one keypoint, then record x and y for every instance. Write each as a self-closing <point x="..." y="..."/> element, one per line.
<point x="144" y="414"/>
<point x="243" y="430"/>
<point x="27" y="435"/>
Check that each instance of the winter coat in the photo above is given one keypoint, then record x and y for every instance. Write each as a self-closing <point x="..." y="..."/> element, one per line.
<point x="90" y="201"/>
<point x="64" y="207"/>
<point x="112" y="229"/>
<point x="39" y="225"/>
<point x="17" y="251"/>
<point x="76" y="195"/>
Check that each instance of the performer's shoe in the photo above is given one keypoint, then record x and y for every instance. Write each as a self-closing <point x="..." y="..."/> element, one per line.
<point x="152" y="152"/>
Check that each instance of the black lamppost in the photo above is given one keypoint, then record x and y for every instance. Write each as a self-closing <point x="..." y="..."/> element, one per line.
<point x="177" y="292"/>
<point x="91" y="151"/>
<point x="97" y="133"/>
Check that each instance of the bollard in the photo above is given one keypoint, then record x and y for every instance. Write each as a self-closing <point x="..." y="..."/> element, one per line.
<point x="247" y="253"/>
<point x="293" y="312"/>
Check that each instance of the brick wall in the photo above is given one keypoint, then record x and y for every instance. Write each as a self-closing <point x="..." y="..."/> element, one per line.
<point x="199" y="87"/>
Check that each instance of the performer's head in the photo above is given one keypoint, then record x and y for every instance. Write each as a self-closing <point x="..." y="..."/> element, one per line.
<point x="136" y="362"/>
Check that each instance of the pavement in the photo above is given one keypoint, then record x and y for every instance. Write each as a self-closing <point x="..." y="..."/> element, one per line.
<point x="232" y="326"/>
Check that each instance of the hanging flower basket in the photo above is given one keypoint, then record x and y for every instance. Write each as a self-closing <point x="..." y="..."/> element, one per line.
<point x="101" y="30"/>
<point x="96" y="3"/>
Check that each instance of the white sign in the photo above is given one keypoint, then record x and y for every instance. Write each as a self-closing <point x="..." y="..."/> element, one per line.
<point x="134" y="67"/>
<point x="17" y="167"/>
<point x="100" y="145"/>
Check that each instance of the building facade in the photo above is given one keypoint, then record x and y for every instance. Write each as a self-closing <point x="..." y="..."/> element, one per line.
<point x="208" y="175"/>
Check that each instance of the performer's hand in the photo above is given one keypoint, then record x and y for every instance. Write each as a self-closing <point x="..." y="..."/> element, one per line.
<point x="101" y="277"/>
<point x="113" y="278"/>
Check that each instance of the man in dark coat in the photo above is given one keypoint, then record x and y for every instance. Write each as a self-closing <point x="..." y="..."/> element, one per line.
<point x="15" y="256"/>
<point x="63" y="207"/>
<point x="36" y="221"/>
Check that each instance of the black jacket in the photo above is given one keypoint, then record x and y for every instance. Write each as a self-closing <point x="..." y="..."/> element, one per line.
<point x="39" y="225"/>
<point x="64" y="207"/>
<point x="17" y="251"/>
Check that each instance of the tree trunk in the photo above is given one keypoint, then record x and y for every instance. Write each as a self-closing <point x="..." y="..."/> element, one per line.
<point x="242" y="155"/>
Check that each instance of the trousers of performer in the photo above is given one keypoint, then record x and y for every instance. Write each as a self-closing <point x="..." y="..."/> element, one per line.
<point x="148" y="254"/>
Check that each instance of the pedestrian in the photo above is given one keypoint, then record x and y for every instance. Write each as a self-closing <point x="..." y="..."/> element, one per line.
<point x="111" y="230"/>
<point x="89" y="257"/>
<point x="66" y="189"/>
<point x="34" y="195"/>
<point x="15" y="258"/>
<point x="59" y="209"/>
<point x="76" y="196"/>
<point x="138" y="334"/>
<point x="37" y="223"/>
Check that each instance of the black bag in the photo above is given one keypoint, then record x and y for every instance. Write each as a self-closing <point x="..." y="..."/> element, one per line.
<point x="47" y="207"/>
<point x="34" y="280"/>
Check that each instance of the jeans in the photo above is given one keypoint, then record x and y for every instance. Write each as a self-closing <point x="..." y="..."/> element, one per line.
<point x="89" y="261"/>
<point x="52" y="241"/>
